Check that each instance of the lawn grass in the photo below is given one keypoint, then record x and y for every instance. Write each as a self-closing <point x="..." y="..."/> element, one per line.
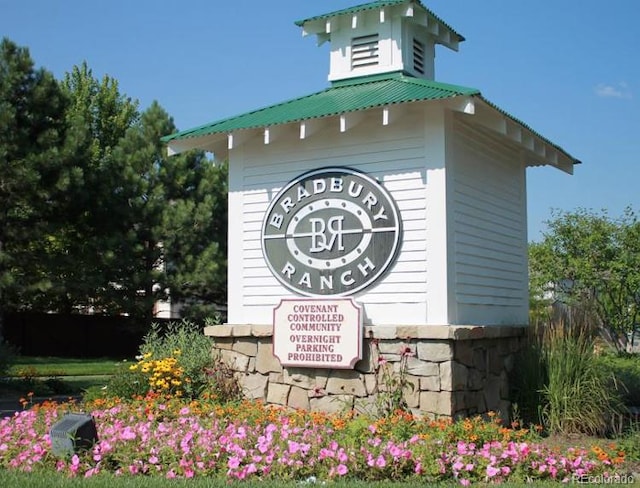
<point x="55" y="366"/>
<point x="12" y="479"/>
<point x="12" y="388"/>
<point x="47" y="375"/>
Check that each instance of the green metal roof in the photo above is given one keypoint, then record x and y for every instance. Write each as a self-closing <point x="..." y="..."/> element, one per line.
<point x="373" y="6"/>
<point x="343" y="96"/>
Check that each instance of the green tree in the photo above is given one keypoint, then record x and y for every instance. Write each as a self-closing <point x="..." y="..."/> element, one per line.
<point x="93" y="215"/>
<point x="591" y="261"/>
<point x="32" y="130"/>
<point x="195" y="238"/>
<point x="82" y="266"/>
<point x="177" y="218"/>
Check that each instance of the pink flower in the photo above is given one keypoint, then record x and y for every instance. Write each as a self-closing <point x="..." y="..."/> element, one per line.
<point x="381" y="461"/>
<point x="75" y="464"/>
<point x="326" y="453"/>
<point x="342" y="469"/>
<point x="492" y="471"/>
<point x="317" y="392"/>
<point x="234" y="462"/>
<point x="342" y="456"/>
<point x="465" y="482"/>
<point x="128" y="434"/>
<point x="462" y="448"/>
<point x="293" y="447"/>
<point x="406" y="351"/>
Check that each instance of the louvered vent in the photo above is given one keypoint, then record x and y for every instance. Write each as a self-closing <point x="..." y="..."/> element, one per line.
<point x="364" y="51"/>
<point x="418" y="56"/>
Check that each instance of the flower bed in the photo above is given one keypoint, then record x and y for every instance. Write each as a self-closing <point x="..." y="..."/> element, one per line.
<point x="174" y="438"/>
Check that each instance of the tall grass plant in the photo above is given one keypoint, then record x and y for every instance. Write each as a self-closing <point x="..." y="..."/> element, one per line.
<point x="559" y="381"/>
<point x="579" y="395"/>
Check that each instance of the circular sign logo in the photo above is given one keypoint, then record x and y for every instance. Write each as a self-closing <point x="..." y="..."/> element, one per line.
<point x="331" y="232"/>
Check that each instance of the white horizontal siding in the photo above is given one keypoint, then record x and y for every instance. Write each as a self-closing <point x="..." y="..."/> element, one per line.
<point x="392" y="154"/>
<point x="489" y="230"/>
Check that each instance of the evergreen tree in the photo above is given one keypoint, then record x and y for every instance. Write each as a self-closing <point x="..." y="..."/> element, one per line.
<point x="32" y="130"/>
<point x="82" y="260"/>
<point x="93" y="215"/>
<point x="178" y="213"/>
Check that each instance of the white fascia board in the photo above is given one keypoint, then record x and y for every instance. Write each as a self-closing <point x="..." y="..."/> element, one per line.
<point x="214" y="143"/>
<point x="236" y="139"/>
<point x="349" y="120"/>
<point x="319" y="29"/>
<point x="462" y="104"/>
<point x="313" y="27"/>
<point x="309" y="127"/>
<point x="178" y="146"/>
<point x="441" y="33"/>
<point x="537" y="151"/>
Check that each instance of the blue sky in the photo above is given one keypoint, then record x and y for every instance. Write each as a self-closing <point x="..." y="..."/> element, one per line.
<point x="568" y="68"/>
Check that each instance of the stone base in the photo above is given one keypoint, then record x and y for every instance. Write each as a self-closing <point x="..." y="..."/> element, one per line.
<point x="448" y="371"/>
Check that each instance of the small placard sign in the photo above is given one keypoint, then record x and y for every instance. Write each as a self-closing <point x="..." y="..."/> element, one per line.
<point x="318" y="333"/>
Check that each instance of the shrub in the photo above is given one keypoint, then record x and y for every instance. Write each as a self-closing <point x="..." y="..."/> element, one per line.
<point x="177" y="361"/>
<point x="625" y="368"/>
<point x="528" y="379"/>
<point x="7" y="356"/>
<point x="222" y="384"/>
<point x="125" y="383"/>
<point x="195" y="352"/>
<point x="162" y="375"/>
<point x="392" y="383"/>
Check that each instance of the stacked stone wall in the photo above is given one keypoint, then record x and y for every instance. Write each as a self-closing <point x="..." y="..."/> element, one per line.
<point x="448" y="371"/>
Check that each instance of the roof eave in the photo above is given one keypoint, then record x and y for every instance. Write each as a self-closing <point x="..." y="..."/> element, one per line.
<point x="537" y="149"/>
<point x="322" y="25"/>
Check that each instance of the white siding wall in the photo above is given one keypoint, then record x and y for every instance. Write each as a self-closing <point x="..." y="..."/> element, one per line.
<point x="394" y="154"/>
<point x="488" y="209"/>
<point x="463" y="258"/>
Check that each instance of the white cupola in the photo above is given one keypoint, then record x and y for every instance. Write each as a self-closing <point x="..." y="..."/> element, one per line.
<point x="382" y="37"/>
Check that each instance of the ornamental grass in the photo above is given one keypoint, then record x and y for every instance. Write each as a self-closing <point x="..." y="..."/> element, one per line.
<point x="172" y="437"/>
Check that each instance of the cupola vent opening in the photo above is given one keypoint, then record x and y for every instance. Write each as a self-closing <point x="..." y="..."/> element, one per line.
<point x="364" y="51"/>
<point x="418" y="56"/>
